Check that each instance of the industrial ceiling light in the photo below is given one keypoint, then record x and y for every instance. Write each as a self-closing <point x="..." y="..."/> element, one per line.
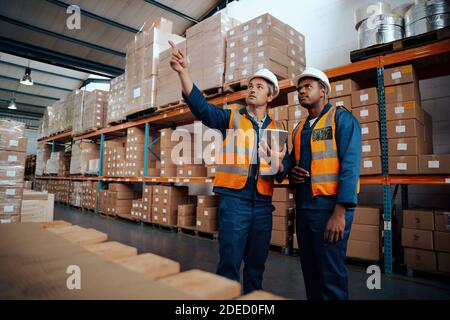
<point x="26" y="80"/>
<point x="12" y="104"/>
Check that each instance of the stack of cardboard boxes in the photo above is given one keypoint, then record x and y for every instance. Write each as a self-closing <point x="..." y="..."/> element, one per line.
<point x="426" y="240"/>
<point x="264" y="42"/>
<point x="296" y="113"/>
<point x="76" y="193"/>
<point x="56" y="164"/>
<point x="89" y="195"/>
<point x="187" y="215"/>
<point x="365" y="109"/>
<point x="365" y="235"/>
<point x="77" y="121"/>
<point x="165" y="202"/>
<point x="168" y="165"/>
<point x="95" y="104"/>
<point x="82" y="155"/>
<point x="283" y="217"/>
<point x="142" y="62"/>
<point x="341" y="93"/>
<point x="207" y="213"/>
<point x="206" y="48"/>
<point x="43" y="152"/>
<point x="116" y="104"/>
<point x="119" y="198"/>
<point x="147" y="201"/>
<point x="114" y="158"/>
<point x="13" y="146"/>
<point x="61" y="190"/>
<point x="58" y="117"/>
<point x="168" y="85"/>
<point x="409" y="128"/>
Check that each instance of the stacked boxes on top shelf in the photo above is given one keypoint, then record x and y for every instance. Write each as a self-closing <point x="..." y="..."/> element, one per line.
<point x="142" y="61"/>
<point x="264" y="42"/>
<point x="206" y="50"/>
<point x="13" y="146"/>
<point x="116" y="100"/>
<point x="95" y="105"/>
<point x="426" y="240"/>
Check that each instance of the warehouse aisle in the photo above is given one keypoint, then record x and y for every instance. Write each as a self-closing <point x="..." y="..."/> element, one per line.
<point x="203" y="254"/>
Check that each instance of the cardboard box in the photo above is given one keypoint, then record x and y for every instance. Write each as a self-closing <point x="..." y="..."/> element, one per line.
<point x="211" y="213"/>
<point x="434" y="164"/>
<point x="363" y="250"/>
<point x="293" y="98"/>
<point x="404" y="110"/>
<point x="370" y="131"/>
<point x="418" y="219"/>
<point x="12" y="158"/>
<point x="10" y="207"/>
<point x="192" y="171"/>
<point x="11" y="192"/>
<point x="168" y="172"/>
<point x="403" y="165"/>
<point x="208" y="201"/>
<point x="398" y="75"/>
<point x="343" y="88"/>
<point x="281" y="238"/>
<point x="187" y="210"/>
<point x="402" y="92"/>
<point x="406" y="146"/>
<point x="442" y="241"/>
<point x="364" y="97"/>
<point x="367" y="216"/>
<point x="206" y="224"/>
<point x="10" y="142"/>
<point x="282" y="223"/>
<point x="121" y="187"/>
<point x="442" y="221"/>
<point x="297" y="112"/>
<point x="363" y="232"/>
<point x="443" y="261"/>
<point x="283" y="209"/>
<point x="169" y="219"/>
<point x="366" y="114"/>
<point x="283" y="194"/>
<point x="186" y="221"/>
<point x="404" y="129"/>
<point x="420" y="239"/>
<point x="279" y="113"/>
<point x="370" y="166"/>
<point x="211" y="171"/>
<point x="420" y="259"/>
<point x="345" y="101"/>
<point x="371" y="148"/>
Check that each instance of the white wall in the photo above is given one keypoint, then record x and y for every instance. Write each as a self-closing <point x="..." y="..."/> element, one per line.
<point x="328" y="26"/>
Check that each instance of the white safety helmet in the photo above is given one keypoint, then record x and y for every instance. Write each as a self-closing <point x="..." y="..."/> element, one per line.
<point x="269" y="76"/>
<point x="317" y="74"/>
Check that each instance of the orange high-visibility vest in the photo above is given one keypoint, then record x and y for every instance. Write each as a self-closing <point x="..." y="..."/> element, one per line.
<point x="325" y="166"/>
<point x="239" y="148"/>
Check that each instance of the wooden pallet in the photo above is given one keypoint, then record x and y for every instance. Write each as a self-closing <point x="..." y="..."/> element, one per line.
<point x="163" y="227"/>
<point x="413" y="272"/>
<point x="212" y="92"/>
<point x="116" y="122"/>
<point x="399" y="45"/>
<point x="141" y="114"/>
<point x="193" y="232"/>
<point x="235" y="86"/>
<point x="171" y="105"/>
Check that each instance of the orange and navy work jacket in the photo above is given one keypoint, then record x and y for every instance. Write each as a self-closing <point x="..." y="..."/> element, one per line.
<point x="239" y="153"/>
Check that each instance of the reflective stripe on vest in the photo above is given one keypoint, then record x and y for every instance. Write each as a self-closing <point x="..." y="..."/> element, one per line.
<point x="325" y="166"/>
<point x="240" y="147"/>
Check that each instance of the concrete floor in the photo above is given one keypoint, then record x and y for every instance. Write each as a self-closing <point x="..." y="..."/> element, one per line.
<point x="283" y="274"/>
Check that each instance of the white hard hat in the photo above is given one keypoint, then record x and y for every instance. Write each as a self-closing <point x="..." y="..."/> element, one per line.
<point x="269" y="76"/>
<point x="314" y="73"/>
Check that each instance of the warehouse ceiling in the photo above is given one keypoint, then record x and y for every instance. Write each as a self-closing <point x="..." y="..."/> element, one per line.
<point x="35" y="34"/>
